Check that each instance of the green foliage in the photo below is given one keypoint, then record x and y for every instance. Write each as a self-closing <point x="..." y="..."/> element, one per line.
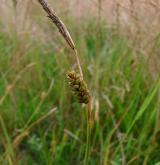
<point x="125" y="122"/>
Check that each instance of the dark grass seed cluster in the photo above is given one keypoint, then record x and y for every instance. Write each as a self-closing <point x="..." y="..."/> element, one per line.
<point x="79" y="87"/>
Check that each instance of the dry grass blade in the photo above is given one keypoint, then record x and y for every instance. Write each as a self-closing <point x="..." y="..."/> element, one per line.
<point x="26" y="132"/>
<point x="57" y="21"/>
<point x="72" y="135"/>
<point x="9" y="87"/>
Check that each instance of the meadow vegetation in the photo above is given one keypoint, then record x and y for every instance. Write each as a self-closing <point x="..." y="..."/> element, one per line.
<point x="41" y="122"/>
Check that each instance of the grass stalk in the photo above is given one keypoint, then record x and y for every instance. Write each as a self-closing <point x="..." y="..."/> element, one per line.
<point x="88" y="133"/>
<point x="78" y="63"/>
<point x="9" y="151"/>
<point x="82" y="88"/>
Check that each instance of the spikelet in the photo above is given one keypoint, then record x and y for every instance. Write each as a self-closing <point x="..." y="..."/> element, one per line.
<point x="58" y="22"/>
<point x="79" y="87"/>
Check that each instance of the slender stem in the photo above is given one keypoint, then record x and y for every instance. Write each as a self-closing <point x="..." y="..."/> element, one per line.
<point x="78" y="63"/>
<point x="88" y="134"/>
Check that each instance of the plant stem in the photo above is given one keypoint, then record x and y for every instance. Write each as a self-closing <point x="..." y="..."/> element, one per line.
<point x="78" y="63"/>
<point x="88" y="134"/>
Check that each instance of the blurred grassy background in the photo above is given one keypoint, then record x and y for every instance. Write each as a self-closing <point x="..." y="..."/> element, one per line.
<point x="41" y="122"/>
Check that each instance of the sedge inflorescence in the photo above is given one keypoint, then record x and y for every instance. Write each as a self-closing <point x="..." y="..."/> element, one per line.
<point x="79" y="87"/>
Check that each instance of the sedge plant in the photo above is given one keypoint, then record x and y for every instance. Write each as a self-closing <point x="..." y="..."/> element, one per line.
<point x="76" y="81"/>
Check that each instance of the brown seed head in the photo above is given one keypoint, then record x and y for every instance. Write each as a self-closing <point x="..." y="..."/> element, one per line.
<point x="79" y="87"/>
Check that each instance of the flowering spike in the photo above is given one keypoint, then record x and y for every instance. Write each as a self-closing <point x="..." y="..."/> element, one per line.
<point x="79" y="87"/>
